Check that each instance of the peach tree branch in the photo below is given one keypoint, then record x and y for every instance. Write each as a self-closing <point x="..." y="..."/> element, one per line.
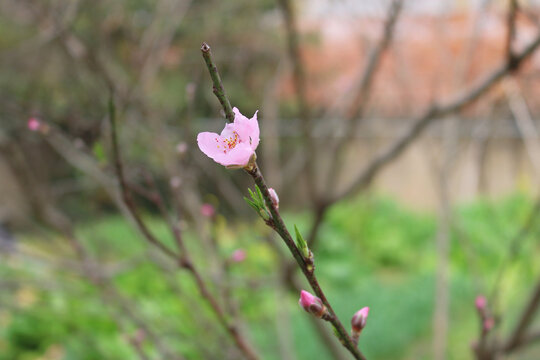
<point x="274" y="220"/>
<point x="218" y="88"/>
<point x="183" y="259"/>
<point x="433" y="113"/>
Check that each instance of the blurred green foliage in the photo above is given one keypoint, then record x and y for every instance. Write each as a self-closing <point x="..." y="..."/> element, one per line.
<point x="372" y="252"/>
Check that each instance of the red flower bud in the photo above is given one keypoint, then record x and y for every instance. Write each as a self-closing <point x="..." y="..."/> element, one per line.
<point x="488" y="324"/>
<point x="33" y="124"/>
<point x="480" y="302"/>
<point x="207" y="210"/>
<point x="359" y="319"/>
<point x="238" y="255"/>
<point x="312" y="304"/>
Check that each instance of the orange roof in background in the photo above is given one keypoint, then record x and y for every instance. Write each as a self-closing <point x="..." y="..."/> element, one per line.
<point x="431" y="57"/>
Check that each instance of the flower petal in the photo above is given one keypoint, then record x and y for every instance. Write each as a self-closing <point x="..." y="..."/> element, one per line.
<point x="247" y="129"/>
<point x="211" y="144"/>
<point x="228" y="130"/>
<point x="256" y="133"/>
<point x="239" y="156"/>
<point x="236" y="144"/>
<point x="238" y="115"/>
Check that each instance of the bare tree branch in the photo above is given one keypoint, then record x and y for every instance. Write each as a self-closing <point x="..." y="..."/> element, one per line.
<point x="183" y="259"/>
<point x="300" y="84"/>
<point x="525" y="320"/>
<point x="527" y="339"/>
<point x="511" y="30"/>
<point x="276" y="223"/>
<point x="363" y="92"/>
<point x="433" y="113"/>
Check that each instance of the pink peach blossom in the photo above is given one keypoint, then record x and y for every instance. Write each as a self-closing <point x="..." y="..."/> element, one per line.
<point x="359" y="319"/>
<point x="274" y="197"/>
<point x="33" y="124"/>
<point x="480" y="302"/>
<point x="139" y="336"/>
<point x="175" y="183"/>
<point x="207" y="210"/>
<point x="236" y="144"/>
<point x="488" y="324"/>
<point x="238" y="255"/>
<point x="181" y="148"/>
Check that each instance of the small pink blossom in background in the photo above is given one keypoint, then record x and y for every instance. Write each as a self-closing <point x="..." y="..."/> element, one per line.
<point x="274" y="197"/>
<point x="488" y="324"/>
<point x="181" y="148"/>
<point x="480" y="302"/>
<point x="238" y="255"/>
<point x="311" y="304"/>
<point x="207" y="210"/>
<point x="236" y="144"/>
<point x="175" y="183"/>
<point x="359" y="319"/>
<point x="140" y="336"/>
<point x="33" y="124"/>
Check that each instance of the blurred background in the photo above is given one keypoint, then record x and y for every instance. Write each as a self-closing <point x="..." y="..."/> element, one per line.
<point x="401" y="136"/>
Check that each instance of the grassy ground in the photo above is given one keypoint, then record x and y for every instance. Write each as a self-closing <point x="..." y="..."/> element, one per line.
<point x="372" y="252"/>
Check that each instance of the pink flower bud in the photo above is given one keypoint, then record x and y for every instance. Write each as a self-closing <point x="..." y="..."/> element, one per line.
<point x="207" y="210"/>
<point x="181" y="148"/>
<point x="139" y="336"/>
<point x="33" y="124"/>
<point x="359" y="319"/>
<point x="238" y="255"/>
<point x="274" y="197"/>
<point x="480" y="302"/>
<point x="488" y="324"/>
<point x="175" y="183"/>
<point x="311" y="304"/>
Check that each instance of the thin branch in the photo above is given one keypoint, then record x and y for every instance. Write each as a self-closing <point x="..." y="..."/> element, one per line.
<point x="276" y="222"/>
<point x="323" y="332"/>
<point x="319" y="215"/>
<point x="374" y="60"/>
<point x="218" y="89"/>
<point x="126" y="194"/>
<point x="525" y="320"/>
<point x="514" y="246"/>
<point x="293" y="284"/>
<point x="433" y="113"/>
<point x="182" y="259"/>
<point x="167" y="18"/>
<point x="356" y="109"/>
<point x="360" y="100"/>
<point x="300" y="85"/>
<point x="527" y="339"/>
<point x="96" y="274"/>
<point x="525" y="123"/>
<point x="511" y="30"/>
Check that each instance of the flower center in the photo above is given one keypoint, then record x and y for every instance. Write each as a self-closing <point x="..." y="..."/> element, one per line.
<point x="232" y="141"/>
<point x="229" y="143"/>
